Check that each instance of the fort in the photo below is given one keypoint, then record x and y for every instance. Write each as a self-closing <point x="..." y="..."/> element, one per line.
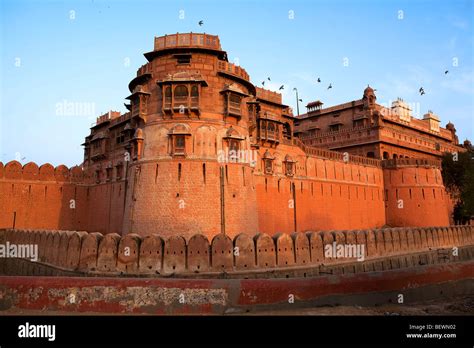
<point x="154" y="182"/>
<point x="160" y="164"/>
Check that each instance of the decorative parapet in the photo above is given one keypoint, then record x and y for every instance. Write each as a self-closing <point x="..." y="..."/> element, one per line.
<point x="339" y="156"/>
<point x="187" y="40"/>
<point x="402" y="162"/>
<point x="13" y="170"/>
<point x="343" y="131"/>
<point x="145" y="69"/>
<point x="266" y="94"/>
<point x="93" y="253"/>
<point x="232" y="69"/>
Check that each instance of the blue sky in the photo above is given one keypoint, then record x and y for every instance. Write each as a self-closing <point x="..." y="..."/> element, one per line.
<point x="87" y="57"/>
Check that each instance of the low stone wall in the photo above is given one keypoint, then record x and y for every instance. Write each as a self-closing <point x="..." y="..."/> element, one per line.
<point x="94" y="253"/>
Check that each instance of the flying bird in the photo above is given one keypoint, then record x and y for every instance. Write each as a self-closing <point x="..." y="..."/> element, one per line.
<point x="281" y="87"/>
<point x="330" y="86"/>
<point x="263" y="83"/>
<point x="319" y="80"/>
<point x="301" y="100"/>
<point x="201" y="22"/>
<point x="268" y="79"/>
<point x="421" y="90"/>
<point x="446" y="72"/>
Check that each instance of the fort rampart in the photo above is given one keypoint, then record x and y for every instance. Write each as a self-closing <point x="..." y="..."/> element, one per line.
<point x="244" y="256"/>
<point x="324" y="194"/>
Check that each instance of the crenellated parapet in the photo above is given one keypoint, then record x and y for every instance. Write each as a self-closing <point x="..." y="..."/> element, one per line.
<point x="13" y="170"/>
<point x="312" y="251"/>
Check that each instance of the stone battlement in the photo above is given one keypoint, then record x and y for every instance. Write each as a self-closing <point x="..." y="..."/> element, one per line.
<point x="93" y="253"/>
<point x="402" y="162"/>
<point x="187" y="40"/>
<point x="268" y="95"/>
<point x="13" y="170"/>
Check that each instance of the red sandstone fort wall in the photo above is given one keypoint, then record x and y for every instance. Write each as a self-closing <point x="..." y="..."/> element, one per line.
<point x="55" y="198"/>
<point x="324" y="193"/>
<point x="184" y="197"/>
<point x="415" y="195"/>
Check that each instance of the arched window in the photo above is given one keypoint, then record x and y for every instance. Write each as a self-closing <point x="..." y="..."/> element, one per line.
<point x="180" y="97"/>
<point x="180" y="92"/>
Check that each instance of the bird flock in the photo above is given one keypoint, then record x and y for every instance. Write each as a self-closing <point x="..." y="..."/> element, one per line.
<point x="421" y="90"/>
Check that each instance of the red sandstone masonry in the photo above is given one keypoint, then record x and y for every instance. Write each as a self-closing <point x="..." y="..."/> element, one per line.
<point x="222" y="253"/>
<point x="107" y="255"/>
<point x="316" y="247"/>
<point x="265" y="251"/>
<point x="89" y="252"/>
<point x="93" y="252"/>
<point x="174" y="260"/>
<point x="128" y="254"/>
<point x="302" y="248"/>
<point x="284" y="250"/>
<point x="246" y="252"/>
<point x="57" y="198"/>
<point x="198" y="254"/>
<point x="74" y="250"/>
<point x="327" y="185"/>
<point x="63" y="245"/>
<point x="151" y="254"/>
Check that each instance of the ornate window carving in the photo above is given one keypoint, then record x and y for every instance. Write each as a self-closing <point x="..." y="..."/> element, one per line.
<point x="233" y="107"/>
<point x="233" y="100"/>
<point x="268" y="163"/>
<point x="139" y="101"/>
<point x="289" y="166"/>
<point x="178" y="139"/>
<point x="180" y="100"/>
<point x="179" y="145"/>
<point x="181" y="96"/>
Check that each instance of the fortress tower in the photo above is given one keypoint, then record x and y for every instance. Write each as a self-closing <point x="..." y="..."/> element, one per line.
<point x="189" y="107"/>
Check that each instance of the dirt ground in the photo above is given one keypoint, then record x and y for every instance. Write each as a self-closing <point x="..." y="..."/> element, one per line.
<point x="456" y="306"/>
